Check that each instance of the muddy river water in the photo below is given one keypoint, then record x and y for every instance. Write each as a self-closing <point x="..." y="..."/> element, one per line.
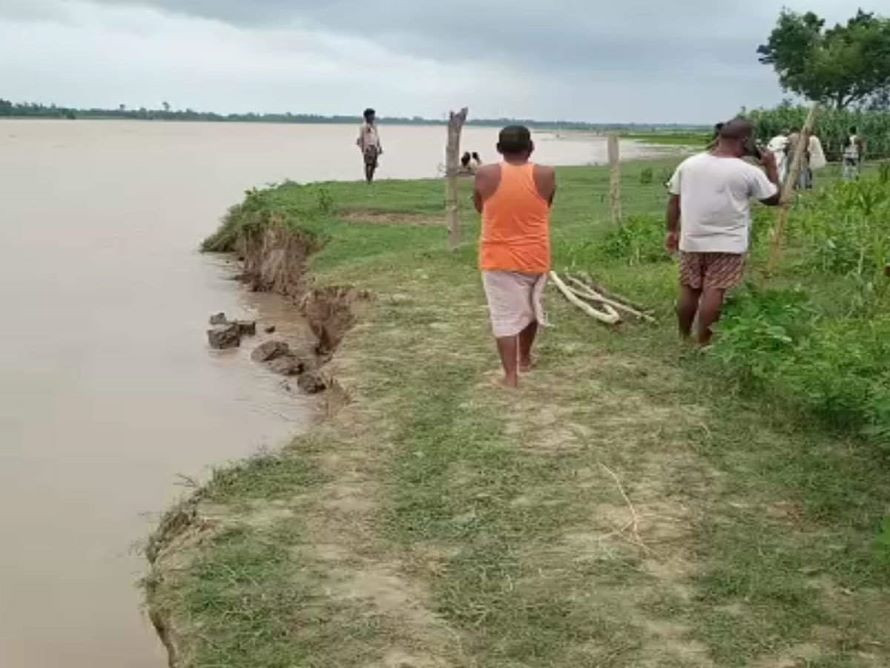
<point x="108" y="393"/>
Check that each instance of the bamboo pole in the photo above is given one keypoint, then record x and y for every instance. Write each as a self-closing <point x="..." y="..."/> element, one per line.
<point x="456" y="122"/>
<point x="608" y="315"/>
<point x="586" y="292"/>
<point x="777" y="241"/>
<point x="614" y="178"/>
<point x="605" y="292"/>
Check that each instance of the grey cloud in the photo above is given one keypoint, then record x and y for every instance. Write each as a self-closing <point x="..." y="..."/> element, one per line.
<point x="627" y="60"/>
<point x="572" y="35"/>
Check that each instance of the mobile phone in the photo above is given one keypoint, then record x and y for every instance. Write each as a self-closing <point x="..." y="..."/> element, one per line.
<point x="754" y="149"/>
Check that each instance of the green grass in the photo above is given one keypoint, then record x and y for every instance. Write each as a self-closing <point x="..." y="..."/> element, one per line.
<point x="437" y="521"/>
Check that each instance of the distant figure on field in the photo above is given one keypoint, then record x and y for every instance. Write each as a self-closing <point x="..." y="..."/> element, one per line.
<point x="470" y="162"/>
<point x="369" y="143"/>
<point x="853" y="154"/>
<point x="709" y="220"/>
<point x="816" y="157"/>
<point x="778" y="145"/>
<point x="514" y="198"/>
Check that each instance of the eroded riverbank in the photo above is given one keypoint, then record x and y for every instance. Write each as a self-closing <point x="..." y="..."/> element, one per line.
<point x="610" y="512"/>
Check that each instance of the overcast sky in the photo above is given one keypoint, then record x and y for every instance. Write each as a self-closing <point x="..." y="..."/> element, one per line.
<point x="593" y="60"/>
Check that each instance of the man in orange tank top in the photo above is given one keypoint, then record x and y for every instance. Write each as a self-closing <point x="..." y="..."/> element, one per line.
<point x="514" y="198"/>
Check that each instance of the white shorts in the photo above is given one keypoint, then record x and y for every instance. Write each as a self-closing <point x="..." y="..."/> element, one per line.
<point x="514" y="300"/>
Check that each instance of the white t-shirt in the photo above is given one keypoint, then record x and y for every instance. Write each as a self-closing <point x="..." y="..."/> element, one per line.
<point x="715" y="202"/>
<point x="367" y="137"/>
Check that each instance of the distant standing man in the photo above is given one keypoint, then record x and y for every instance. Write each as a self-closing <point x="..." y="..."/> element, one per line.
<point x="514" y="198"/>
<point x="854" y="152"/>
<point x="709" y="221"/>
<point x="369" y="143"/>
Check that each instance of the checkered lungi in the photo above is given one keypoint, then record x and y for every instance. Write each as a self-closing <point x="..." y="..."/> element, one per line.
<point x="720" y="271"/>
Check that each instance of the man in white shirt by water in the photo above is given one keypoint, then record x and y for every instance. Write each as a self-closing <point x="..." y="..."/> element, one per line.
<point x="369" y="143"/>
<point x="709" y="222"/>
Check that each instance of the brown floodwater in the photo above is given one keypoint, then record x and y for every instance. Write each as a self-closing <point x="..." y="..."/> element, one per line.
<point x="108" y="393"/>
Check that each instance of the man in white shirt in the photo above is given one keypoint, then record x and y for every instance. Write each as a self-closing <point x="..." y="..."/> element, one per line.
<point x="709" y="222"/>
<point x="369" y="143"/>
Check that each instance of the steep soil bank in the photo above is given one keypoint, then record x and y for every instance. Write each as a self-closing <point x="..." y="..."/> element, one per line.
<point x="274" y="259"/>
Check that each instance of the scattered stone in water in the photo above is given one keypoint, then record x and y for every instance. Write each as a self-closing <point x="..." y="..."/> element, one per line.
<point x="247" y="327"/>
<point x="269" y="351"/>
<point x="218" y="319"/>
<point x="225" y="336"/>
<point x="312" y="382"/>
<point x="270" y="329"/>
<point x="287" y="365"/>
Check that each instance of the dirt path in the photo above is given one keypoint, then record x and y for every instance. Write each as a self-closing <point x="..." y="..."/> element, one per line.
<point x="432" y="520"/>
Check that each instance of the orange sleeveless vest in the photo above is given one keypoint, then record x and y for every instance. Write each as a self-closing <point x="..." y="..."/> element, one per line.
<point x="516" y="224"/>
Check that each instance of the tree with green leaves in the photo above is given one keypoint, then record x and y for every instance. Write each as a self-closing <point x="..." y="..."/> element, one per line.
<point x="844" y="66"/>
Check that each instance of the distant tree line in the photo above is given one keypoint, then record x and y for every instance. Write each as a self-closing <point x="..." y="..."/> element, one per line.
<point x="165" y="113"/>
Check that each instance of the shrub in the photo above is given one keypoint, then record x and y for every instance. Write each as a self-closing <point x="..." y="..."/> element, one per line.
<point x="837" y="371"/>
<point x="846" y="231"/>
<point x="324" y="200"/>
<point x="647" y="176"/>
<point x="639" y="239"/>
<point x="236" y="218"/>
<point x="761" y="329"/>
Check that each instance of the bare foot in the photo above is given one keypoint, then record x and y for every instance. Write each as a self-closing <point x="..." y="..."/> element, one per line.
<point x="504" y="382"/>
<point x="526" y="366"/>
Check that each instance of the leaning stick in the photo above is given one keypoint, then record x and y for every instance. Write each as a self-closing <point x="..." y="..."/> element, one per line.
<point x="585" y="291"/>
<point x="778" y="236"/>
<point x="608" y="315"/>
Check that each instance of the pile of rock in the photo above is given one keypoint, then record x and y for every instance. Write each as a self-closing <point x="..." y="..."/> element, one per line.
<point x="225" y="334"/>
<point x="279" y="357"/>
<point x="276" y="355"/>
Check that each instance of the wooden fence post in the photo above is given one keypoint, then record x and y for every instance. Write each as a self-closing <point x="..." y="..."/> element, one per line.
<point x="452" y="166"/>
<point x="614" y="178"/>
<point x="777" y="241"/>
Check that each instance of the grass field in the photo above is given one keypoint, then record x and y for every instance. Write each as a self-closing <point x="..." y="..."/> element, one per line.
<point x="626" y="507"/>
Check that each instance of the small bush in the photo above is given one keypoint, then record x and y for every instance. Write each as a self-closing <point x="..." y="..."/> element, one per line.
<point x="646" y="176"/>
<point x="837" y="371"/>
<point x="223" y="240"/>
<point x="846" y="231"/>
<point x="324" y="200"/>
<point x="638" y="240"/>
<point x="759" y="330"/>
